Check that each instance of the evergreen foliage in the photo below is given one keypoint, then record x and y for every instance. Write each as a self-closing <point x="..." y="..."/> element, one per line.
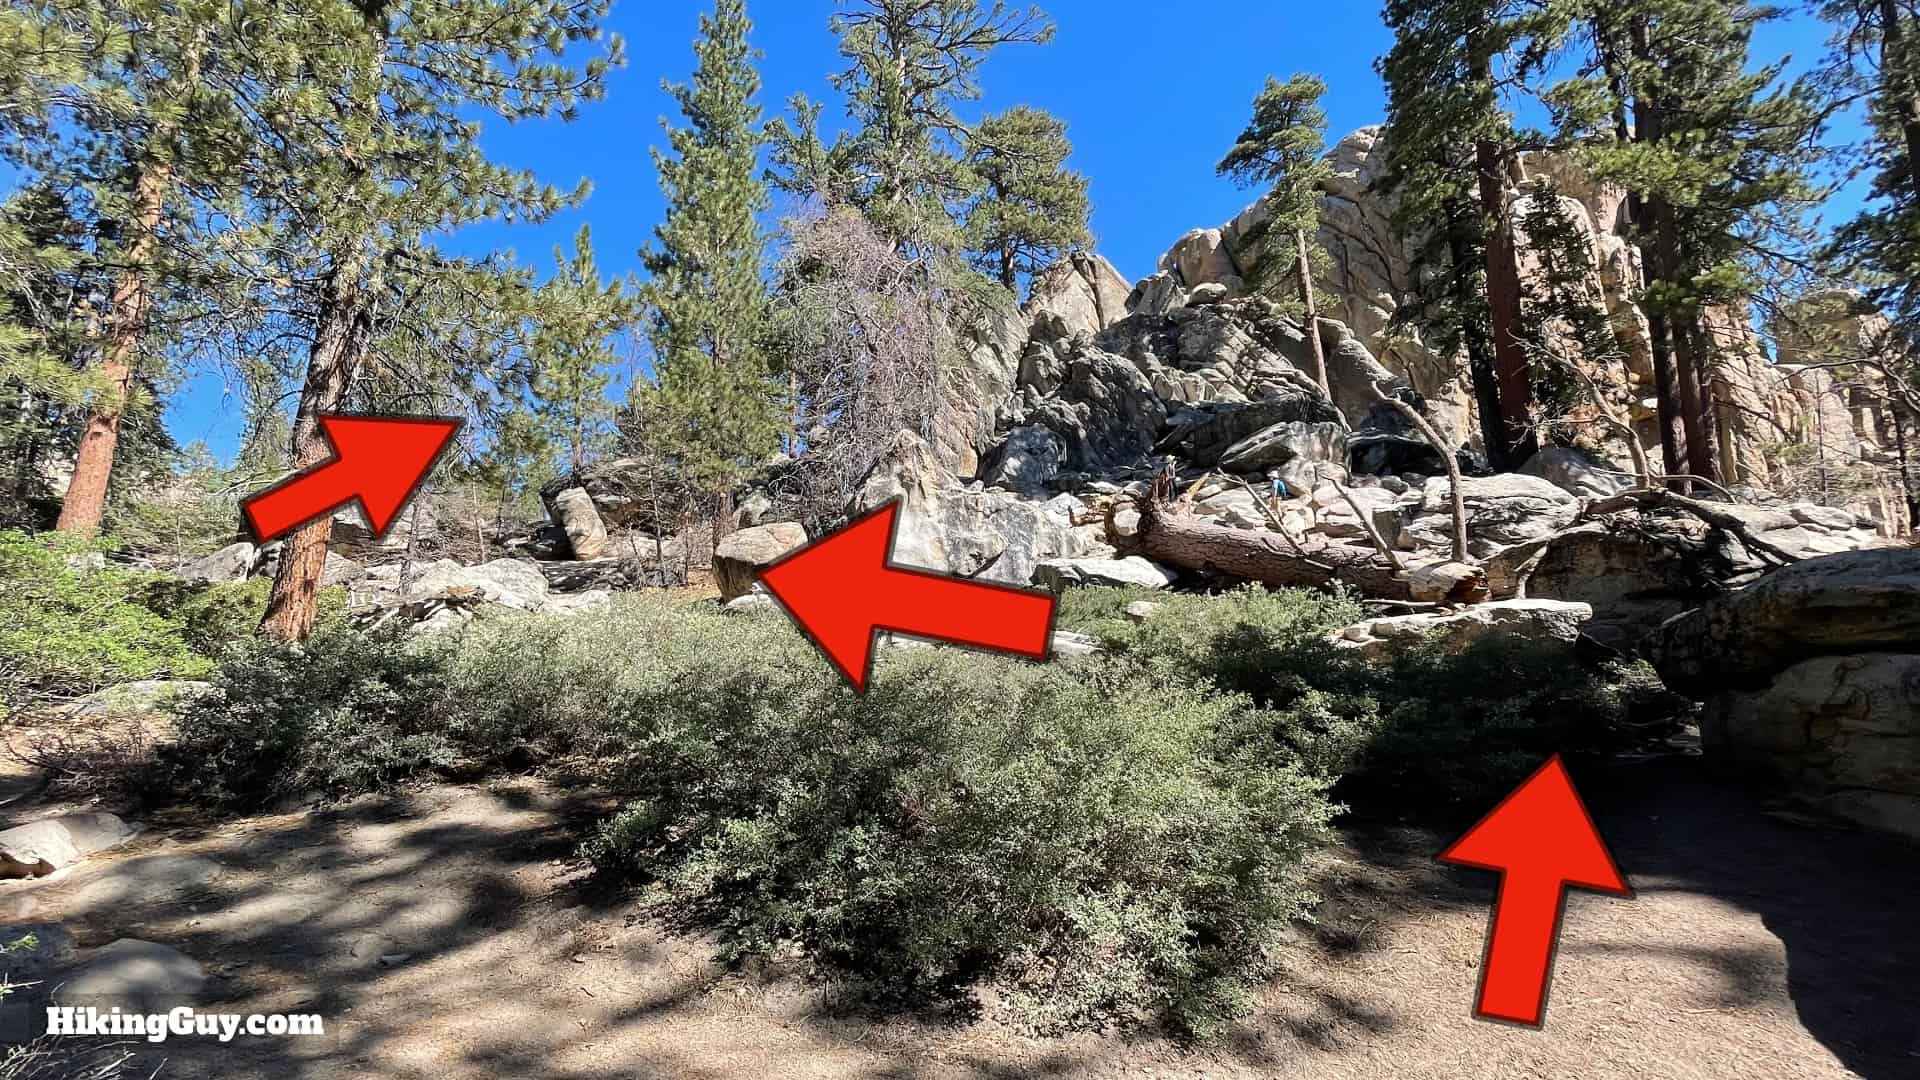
<point x="715" y="407"/>
<point x="1032" y="209"/>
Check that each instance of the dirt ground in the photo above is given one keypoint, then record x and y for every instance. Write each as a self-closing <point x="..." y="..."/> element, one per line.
<point x="445" y="934"/>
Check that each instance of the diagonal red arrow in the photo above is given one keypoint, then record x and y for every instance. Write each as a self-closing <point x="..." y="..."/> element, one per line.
<point x="1542" y="841"/>
<point x="379" y="460"/>
<point x="842" y="590"/>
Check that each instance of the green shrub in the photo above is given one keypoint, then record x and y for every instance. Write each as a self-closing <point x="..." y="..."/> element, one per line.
<point x="216" y="617"/>
<point x="1095" y="841"/>
<point x="341" y="714"/>
<point x="1427" y="733"/>
<point x="66" y="630"/>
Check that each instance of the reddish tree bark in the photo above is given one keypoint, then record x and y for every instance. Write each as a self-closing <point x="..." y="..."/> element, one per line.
<point x="86" y="498"/>
<point x="340" y="343"/>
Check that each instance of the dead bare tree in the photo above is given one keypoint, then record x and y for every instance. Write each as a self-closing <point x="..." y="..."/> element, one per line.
<point x="865" y="328"/>
<point x="1454" y="481"/>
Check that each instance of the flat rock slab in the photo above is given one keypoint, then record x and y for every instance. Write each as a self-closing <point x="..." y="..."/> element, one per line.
<point x="135" y="975"/>
<point x="41" y="847"/>
<point x="147" y="879"/>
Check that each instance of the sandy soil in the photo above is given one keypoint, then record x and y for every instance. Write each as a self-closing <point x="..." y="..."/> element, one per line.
<point x="445" y="934"/>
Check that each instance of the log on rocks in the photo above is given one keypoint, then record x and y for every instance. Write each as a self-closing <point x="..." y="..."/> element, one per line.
<point x="1275" y="560"/>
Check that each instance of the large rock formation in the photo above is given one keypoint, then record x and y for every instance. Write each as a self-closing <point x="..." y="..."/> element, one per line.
<point x="1811" y="679"/>
<point x="1840" y="429"/>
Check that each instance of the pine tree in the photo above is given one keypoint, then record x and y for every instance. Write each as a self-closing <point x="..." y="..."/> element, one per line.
<point x="1032" y="209"/>
<point x="573" y="354"/>
<point x="1452" y="151"/>
<point x="1716" y="159"/>
<point x="369" y="149"/>
<point x="713" y="391"/>
<point x="124" y="102"/>
<point x="1284" y="145"/>
<point x="1875" y="56"/>
<point x="911" y="63"/>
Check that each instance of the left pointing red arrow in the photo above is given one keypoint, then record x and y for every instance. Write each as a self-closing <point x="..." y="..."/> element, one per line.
<point x="378" y="460"/>
<point x="843" y="590"/>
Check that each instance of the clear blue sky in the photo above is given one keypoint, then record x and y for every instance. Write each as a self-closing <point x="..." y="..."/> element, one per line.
<point x="1153" y="93"/>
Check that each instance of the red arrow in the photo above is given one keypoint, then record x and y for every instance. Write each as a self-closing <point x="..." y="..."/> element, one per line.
<point x="379" y="460"/>
<point x="1542" y="840"/>
<point x="843" y="589"/>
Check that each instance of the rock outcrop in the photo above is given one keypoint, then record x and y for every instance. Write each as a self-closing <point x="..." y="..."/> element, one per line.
<point x="1811" y="679"/>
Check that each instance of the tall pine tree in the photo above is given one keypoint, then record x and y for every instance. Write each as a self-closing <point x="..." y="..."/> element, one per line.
<point x="1284" y="145"/>
<point x="911" y="63"/>
<point x="1452" y="151"/>
<point x="369" y="149"/>
<point x="1715" y="157"/>
<point x="715" y="408"/>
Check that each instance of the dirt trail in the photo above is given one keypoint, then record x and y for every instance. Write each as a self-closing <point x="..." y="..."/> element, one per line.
<point x="442" y="935"/>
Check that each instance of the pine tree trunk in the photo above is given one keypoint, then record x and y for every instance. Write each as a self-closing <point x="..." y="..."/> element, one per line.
<point x="1480" y="368"/>
<point x="1899" y="96"/>
<point x="1646" y="215"/>
<point x="1907" y="487"/>
<point x="339" y="343"/>
<point x="1667" y="402"/>
<point x="1696" y="398"/>
<point x="86" y="498"/>
<point x="1503" y="309"/>
<point x="1312" y="318"/>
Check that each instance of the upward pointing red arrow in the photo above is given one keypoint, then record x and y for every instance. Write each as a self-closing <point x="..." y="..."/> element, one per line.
<point x="1542" y="840"/>
<point x="842" y="590"/>
<point x="379" y="460"/>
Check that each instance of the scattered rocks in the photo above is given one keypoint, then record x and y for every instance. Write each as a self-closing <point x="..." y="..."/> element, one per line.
<point x="42" y="847"/>
<point x="1140" y="611"/>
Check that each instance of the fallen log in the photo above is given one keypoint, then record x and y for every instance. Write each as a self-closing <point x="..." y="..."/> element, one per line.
<point x="1274" y="561"/>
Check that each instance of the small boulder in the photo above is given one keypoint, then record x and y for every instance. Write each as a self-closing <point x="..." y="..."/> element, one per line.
<point x="1070" y="645"/>
<point x="135" y="975"/>
<point x="1575" y="472"/>
<point x="1140" y="611"/>
<point x="1539" y="621"/>
<point x="143" y="697"/>
<point x="42" y="847"/>
<point x="586" y="533"/>
<point x="740" y="555"/>
<point x="235" y="562"/>
<point x="753" y="603"/>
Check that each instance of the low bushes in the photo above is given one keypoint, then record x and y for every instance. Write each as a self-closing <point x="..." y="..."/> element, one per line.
<point x="65" y="631"/>
<point x="1107" y="840"/>
<point x="341" y="714"/>
<point x="1428" y="734"/>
